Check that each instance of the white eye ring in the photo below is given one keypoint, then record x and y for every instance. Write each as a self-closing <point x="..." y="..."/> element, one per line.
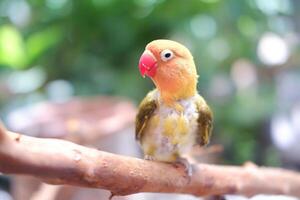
<point x="166" y="55"/>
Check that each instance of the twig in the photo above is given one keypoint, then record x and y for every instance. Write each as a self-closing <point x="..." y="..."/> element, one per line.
<point x="61" y="162"/>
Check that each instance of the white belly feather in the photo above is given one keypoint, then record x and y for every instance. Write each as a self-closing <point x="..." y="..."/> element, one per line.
<point x="170" y="132"/>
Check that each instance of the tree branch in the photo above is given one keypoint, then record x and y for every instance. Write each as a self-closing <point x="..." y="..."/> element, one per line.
<point x="60" y="162"/>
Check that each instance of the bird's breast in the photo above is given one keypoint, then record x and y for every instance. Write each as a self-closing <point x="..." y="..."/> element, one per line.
<point x="171" y="131"/>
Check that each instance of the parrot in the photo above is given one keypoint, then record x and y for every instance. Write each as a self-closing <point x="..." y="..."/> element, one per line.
<point x="173" y="117"/>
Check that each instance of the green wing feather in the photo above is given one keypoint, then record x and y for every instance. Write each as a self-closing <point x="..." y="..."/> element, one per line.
<point x="204" y="120"/>
<point x="146" y="109"/>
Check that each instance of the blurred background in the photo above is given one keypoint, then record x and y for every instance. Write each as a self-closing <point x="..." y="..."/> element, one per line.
<point x="68" y="69"/>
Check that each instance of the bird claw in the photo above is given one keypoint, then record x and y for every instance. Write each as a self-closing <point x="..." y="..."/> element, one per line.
<point x="188" y="169"/>
<point x="147" y="157"/>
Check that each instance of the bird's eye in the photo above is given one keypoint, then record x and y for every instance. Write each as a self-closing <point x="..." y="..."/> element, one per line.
<point x="166" y="55"/>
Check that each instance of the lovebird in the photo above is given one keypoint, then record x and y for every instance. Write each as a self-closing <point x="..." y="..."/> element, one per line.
<point x="172" y="118"/>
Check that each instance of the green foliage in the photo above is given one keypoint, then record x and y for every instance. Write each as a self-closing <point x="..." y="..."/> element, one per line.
<point x="12" y="50"/>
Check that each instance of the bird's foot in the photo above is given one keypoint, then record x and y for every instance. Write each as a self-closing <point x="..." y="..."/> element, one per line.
<point x="187" y="167"/>
<point x="148" y="157"/>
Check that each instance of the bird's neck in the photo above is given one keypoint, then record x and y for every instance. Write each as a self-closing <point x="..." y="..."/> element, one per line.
<point x="176" y="82"/>
<point x="173" y="90"/>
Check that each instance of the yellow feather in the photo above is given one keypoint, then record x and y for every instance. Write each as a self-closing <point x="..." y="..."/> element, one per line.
<point x="169" y="126"/>
<point x="182" y="125"/>
<point x="155" y="121"/>
<point x="150" y="150"/>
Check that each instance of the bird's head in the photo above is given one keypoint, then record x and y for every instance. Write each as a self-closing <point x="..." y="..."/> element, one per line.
<point x="171" y="67"/>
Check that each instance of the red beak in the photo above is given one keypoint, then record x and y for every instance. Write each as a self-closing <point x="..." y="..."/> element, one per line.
<point x="147" y="64"/>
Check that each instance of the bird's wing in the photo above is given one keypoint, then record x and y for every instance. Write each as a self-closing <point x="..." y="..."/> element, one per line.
<point x="145" y="111"/>
<point x="204" y="121"/>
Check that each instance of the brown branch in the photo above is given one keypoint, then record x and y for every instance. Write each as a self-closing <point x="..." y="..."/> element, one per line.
<point x="60" y="162"/>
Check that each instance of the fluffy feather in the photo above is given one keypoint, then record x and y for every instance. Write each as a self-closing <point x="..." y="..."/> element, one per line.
<point x="173" y="117"/>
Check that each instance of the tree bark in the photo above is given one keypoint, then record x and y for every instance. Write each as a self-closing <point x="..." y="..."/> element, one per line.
<point x="61" y="162"/>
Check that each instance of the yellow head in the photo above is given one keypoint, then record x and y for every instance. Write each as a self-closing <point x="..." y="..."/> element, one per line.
<point x="171" y="67"/>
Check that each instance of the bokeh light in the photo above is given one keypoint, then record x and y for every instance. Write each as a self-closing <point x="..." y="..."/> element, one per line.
<point x="272" y="50"/>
